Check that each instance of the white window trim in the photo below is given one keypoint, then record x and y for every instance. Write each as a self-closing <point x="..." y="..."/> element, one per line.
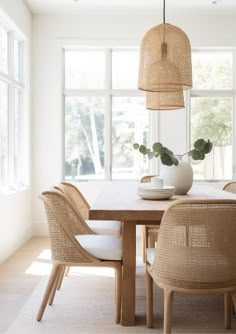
<point x="108" y="93"/>
<point x="23" y="86"/>
<point x="216" y="93"/>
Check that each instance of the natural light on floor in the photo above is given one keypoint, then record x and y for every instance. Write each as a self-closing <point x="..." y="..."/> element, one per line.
<point x="42" y="267"/>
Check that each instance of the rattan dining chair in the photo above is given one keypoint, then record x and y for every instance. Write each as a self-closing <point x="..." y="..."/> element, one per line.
<point x="195" y="254"/>
<point x="231" y="187"/>
<point x="73" y="244"/>
<point x="149" y="232"/>
<point x="104" y="227"/>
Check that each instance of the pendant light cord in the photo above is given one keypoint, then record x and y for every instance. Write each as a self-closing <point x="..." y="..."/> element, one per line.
<point x="164" y="11"/>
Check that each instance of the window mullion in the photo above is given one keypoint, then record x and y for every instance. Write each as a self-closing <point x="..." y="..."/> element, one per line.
<point x="11" y="112"/>
<point x="108" y="115"/>
<point x="84" y="92"/>
<point x="234" y="115"/>
<point x="154" y="136"/>
<point x="188" y="121"/>
<point x="211" y="93"/>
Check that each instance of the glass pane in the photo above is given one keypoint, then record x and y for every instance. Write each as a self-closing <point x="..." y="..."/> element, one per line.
<point x="16" y="59"/>
<point x="3" y="50"/>
<point x="3" y="135"/>
<point x="211" y="118"/>
<point x="212" y="70"/>
<point x="84" y="137"/>
<point x="130" y="124"/>
<point x="84" y="69"/>
<point x="125" y="69"/>
<point x="16" y="136"/>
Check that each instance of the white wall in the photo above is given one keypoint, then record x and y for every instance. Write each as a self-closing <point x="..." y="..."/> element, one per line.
<point x="50" y="33"/>
<point x="15" y="207"/>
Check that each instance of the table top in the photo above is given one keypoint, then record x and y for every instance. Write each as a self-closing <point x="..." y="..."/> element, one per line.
<point x="119" y="201"/>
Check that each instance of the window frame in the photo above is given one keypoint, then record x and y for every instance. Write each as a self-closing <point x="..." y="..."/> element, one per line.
<point x="108" y="92"/>
<point x="22" y="86"/>
<point x="154" y="119"/>
<point x="215" y="93"/>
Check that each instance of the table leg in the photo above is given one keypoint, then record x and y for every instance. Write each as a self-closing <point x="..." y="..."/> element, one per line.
<point x="129" y="271"/>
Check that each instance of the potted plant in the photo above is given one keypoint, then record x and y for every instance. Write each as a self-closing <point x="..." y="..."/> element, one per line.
<point x="174" y="170"/>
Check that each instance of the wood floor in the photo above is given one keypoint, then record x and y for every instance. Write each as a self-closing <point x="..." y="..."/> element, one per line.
<point x="18" y="280"/>
<point x="20" y="274"/>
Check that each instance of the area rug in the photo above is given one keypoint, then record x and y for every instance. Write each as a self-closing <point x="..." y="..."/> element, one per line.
<point x="85" y="305"/>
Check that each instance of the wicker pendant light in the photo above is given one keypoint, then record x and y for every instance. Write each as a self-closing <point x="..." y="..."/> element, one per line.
<point x="165" y="59"/>
<point x="164" y="100"/>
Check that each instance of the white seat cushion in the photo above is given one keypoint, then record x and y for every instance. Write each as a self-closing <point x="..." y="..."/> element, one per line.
<point x="150" y="255"/>
<point x="103" y="247"/>
<point x="105" y="227"/>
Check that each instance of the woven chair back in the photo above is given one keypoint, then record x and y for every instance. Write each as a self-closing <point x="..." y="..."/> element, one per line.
<point x="76" y="197"/>
<point x="64" y="223"/>
<point x="197" y="245"/>
<point x="230" y="187"/>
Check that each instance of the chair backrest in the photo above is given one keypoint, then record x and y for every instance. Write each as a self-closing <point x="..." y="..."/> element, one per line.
<point x="197" y="245"/>
<point x="230" y="187"/>
<point x="147" y="178"/>
<point x="64" y="223"/>
<point x="76" y="197"/>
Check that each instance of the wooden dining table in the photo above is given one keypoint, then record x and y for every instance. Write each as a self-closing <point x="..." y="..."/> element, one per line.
<point x="119" y="201"/>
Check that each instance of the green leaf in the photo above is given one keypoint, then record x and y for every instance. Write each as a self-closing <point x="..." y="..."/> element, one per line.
<point x="175" y="161"/>
<point x="166" y="150"/>
<point x="136" y="146"/>
<point x="208" y="147"/>
<point x="157" y="155"/>
<point x="156" y="147"/>
<point x="197" y="155"/>
<point x="142" y="149"/>
<point x="151" y="155"/>
<point x="199" y="144"/>
<point x="166" y="159"/>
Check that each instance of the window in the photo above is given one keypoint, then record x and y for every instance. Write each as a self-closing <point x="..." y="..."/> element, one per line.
<point x="212" y="112"/>
<point x="105" y="114"/>
<point x="13" y="106"/>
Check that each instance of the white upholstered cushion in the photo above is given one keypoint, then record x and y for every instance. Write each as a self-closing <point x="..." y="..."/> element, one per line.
<point x="105" y="227"/>
<point x="103" y="247"/>
<point x="150" y="254"/>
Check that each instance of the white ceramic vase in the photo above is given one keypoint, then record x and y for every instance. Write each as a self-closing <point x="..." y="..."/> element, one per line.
<point x="181" y="176"/>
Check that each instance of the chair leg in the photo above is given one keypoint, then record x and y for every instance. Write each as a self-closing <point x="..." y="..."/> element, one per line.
<point x="61" y="277"/>
<point x="48" y="290"/>
<point x="233" y="295"/>
<point x="227" y="310"/>
<point x="232" y="306"/>
<point x="67" y="271"/>
<point x="168" y="298"/>
<point x="149" y="300"/>
<point x="144" y="242"/>
<point x="152" y="240"/>
<point x="55" y="286"/>
<point x="118" y="291"/>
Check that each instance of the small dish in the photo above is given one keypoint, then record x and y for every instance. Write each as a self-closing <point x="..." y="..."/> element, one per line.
<point x="145" y="195"/>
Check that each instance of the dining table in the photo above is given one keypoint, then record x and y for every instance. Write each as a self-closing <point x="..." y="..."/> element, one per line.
<point x="119" y="201"/>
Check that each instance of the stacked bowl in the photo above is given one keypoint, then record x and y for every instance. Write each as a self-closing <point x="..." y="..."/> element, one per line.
<point x="145" y="191"/>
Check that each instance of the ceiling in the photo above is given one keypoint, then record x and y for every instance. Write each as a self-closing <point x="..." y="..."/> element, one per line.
<point x="131" y="6"/>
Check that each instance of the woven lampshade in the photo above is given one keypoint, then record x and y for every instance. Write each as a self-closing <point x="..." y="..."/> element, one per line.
<point x="164" y="100"/>
<point x="165" y="60"/>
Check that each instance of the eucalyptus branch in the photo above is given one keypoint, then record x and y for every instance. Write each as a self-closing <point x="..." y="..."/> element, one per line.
<point x="168" y="158"/>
